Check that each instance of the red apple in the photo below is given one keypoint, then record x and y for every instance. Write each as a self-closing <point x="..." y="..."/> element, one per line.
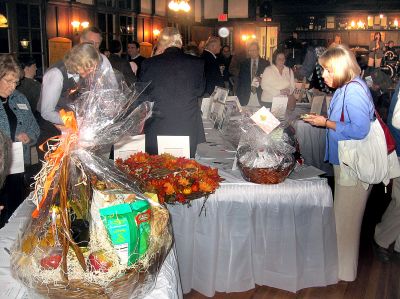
<point x="99" y="261"/>
<point x="51" y="262"/>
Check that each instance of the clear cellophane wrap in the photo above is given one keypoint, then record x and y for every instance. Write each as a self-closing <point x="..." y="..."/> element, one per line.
<point x="48" y="258"/>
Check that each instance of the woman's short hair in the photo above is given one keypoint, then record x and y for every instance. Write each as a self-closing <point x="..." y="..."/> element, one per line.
<point x="83" y="56"/>
<point x="169" y="37"/>
<point x="8" y="64"/>
<point x="342" y="63"/>
<point x="275" y="55"/>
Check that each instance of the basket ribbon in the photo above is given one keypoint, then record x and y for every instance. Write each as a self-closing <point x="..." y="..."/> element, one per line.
<point x="53" y="158"/>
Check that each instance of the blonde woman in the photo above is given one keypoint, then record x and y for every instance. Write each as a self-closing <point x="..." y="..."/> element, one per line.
<point x="277" y="79"/>
<point x="58" y="81"/>
<point x="349" y="116"/>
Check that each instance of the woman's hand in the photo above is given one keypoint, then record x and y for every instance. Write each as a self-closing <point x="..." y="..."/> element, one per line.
<point x="23" y="137"/>
<point x="316" y="120"/>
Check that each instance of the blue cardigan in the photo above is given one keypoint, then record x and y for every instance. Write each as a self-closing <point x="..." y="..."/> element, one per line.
<point x="358" y="110"/>
<point x="26" y="122"/>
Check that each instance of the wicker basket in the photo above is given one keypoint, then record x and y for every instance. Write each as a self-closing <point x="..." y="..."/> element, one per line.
<point x="128" y="283"/>
<point x="265" y="175"/>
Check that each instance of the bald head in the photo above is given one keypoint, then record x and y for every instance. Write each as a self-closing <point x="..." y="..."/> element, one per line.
<point x="213" y="45"/>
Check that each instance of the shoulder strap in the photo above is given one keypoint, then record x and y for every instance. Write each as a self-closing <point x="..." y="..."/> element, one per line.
<point x="342" y="114"/>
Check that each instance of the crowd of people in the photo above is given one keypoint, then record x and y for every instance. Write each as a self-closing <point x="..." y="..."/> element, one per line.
<point x="180" y="77"/>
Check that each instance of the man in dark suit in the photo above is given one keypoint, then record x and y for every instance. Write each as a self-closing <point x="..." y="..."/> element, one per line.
<point x="177" y="80"/>
<point x="134" y="56"/>
<point x="120" y="64"/>
<point x="249" y="75"/>
<point x="214" y="76"/>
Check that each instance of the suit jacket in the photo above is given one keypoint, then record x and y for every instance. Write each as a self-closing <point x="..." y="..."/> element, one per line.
<point x="124" y="67"/>
<point x="177" y="80"/>
<point x="212" y="72"/>
<point x="244" y="79"/>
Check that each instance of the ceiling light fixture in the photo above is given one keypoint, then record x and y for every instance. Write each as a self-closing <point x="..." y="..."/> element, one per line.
<point x="178" y="5"/>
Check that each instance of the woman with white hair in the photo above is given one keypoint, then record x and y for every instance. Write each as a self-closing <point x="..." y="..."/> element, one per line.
<point x="177" y="80"/>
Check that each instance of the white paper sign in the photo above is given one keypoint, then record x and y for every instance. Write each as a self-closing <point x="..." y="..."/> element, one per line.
<point x="128" y="146"/>
<point x="178" y="146"/>
<point x="17" y="158"/>
<point x="22" y="106"/>
<point x="205" y="107"/>
<point x="265" y="120"/>
<point x="316" y="105"/>
<point x="279" y="106"/>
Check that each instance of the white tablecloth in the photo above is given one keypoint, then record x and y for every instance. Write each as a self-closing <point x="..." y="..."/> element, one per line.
<point x="277" y="235"/>
<point x="167" y="287"/>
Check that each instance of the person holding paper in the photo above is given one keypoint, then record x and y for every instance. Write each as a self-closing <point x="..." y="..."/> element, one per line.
<point x="18" y="123"/>
<point x="177" y="80"/>
<point x="350" y="113"/>
<point x="277" y="79"/>
<point x="248" y="86"/>
<point x="211" y="66"/>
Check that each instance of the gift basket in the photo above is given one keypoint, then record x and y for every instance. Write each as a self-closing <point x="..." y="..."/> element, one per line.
<point x="266" y="158"/>
<point x="94" y="233"/>
<point x="174" y="180"/>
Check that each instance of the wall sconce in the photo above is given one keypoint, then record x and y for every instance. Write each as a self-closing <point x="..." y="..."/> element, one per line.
<point x="396" y="23"/>
<point x="24" y="43"/>
<point x="245" y="37"/>
<point x="156" y="32"/>
<point x="129" y="29"/>
<point x="352" y="24"/>
<point x="3" y="21"/>
<point x="76" y="25"/>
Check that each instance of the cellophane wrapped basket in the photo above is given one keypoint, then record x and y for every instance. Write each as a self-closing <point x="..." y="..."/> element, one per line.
<point x="266" y="158"/>
<point x="94" y="233"/>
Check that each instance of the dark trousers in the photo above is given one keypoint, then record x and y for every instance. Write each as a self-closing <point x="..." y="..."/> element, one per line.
<point x="11" y="195"/>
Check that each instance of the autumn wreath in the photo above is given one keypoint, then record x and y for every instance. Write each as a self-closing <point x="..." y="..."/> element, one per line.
<point x="172" y="179"/>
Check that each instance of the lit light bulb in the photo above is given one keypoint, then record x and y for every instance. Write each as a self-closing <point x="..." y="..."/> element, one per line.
<point x="360" y="24"/>
<point x="244" y="37"/>
<point x="75" y="24"/>
<point x="85" y="24"/>
<point x="396" y="23"/>
<point x="353" y="24"/>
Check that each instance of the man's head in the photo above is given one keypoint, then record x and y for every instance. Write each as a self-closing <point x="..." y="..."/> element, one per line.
<point x="28" y="65"/>
<point x="213" y="45"/>
<point x="169" y="37"/>
<point x="253" y="50"/>
<point x="390" y="44"/>
<point x="91" y="35"/>
<point x="115" y="47"/>
<point x="295" y="35"/>
<point x="133" y="48"/>
<point x="226" y="51"/>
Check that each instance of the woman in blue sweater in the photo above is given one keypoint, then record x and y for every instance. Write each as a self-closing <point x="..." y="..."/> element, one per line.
<point x="18" y="123"/>
<point x="349" y="117"/>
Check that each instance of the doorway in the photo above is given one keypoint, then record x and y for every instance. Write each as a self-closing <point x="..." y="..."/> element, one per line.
<point x="268" y="40"/>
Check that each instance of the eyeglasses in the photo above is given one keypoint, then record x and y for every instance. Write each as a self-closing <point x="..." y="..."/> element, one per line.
<point x="11" y="82"/>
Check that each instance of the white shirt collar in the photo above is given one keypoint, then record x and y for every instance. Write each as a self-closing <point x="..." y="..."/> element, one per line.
<point x="74" y="76"/>
<point x="211" y="53"/>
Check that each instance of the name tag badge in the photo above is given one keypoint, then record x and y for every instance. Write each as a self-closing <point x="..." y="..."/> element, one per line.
<point x="23" y="106"/>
